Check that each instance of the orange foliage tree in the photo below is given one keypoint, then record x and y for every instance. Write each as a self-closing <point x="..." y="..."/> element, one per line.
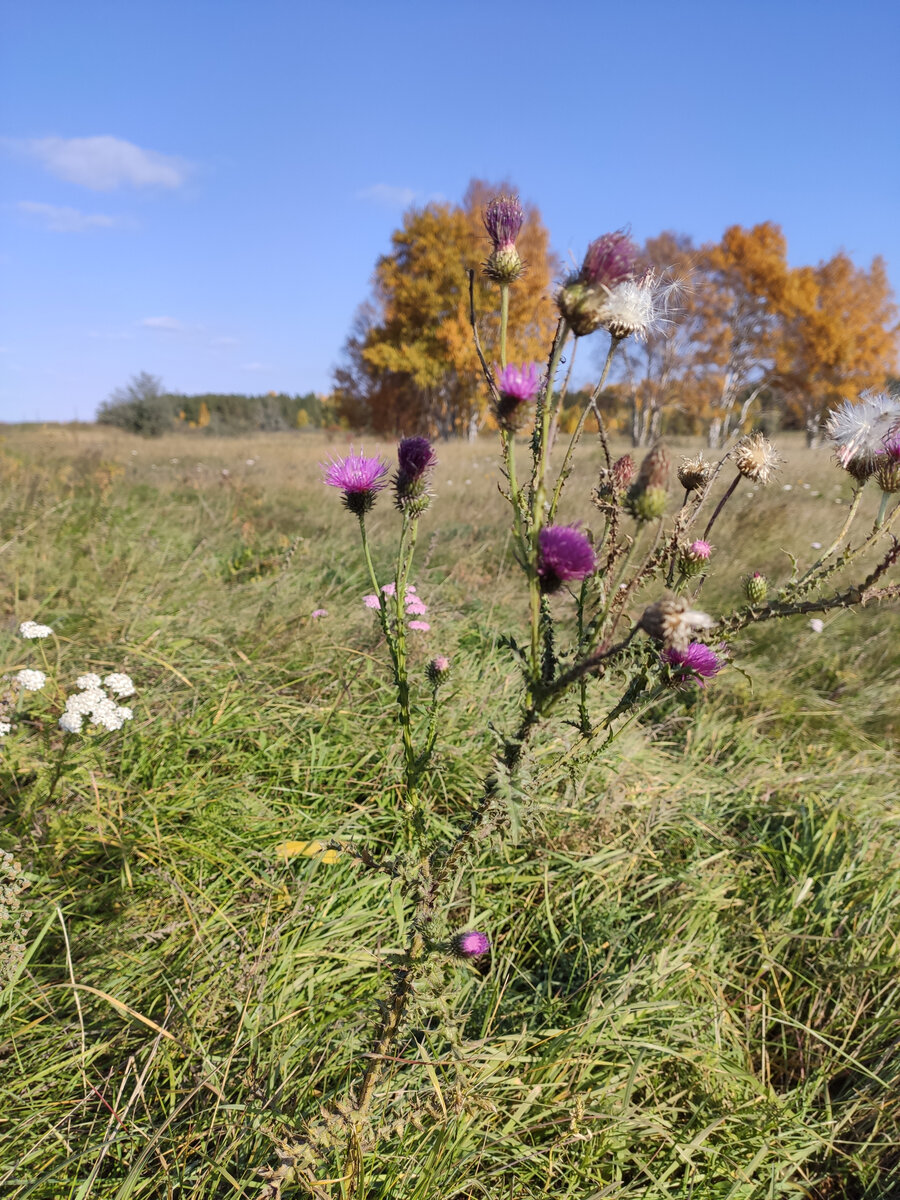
<point x="409" y="363"/>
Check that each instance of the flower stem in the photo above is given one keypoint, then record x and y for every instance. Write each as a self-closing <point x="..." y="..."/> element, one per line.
<point x="721" y="505"/>
<point x="566" y="468"/>
<point x="823" y="558"/>
<point x="882" y="509"/>
<point x="504" y="320"/>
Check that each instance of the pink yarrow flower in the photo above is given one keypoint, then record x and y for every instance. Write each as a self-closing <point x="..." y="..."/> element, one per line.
<point x="420" y="626"/>
<point x="318" y="612"/>
<point x="360" y="477"/>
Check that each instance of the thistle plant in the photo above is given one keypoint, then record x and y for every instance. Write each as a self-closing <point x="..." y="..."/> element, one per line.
<point x="611" y="615"/>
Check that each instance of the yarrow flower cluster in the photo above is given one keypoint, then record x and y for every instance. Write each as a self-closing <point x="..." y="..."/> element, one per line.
<point x="31" y="629"/>
<point x="565" y="555"/>
<point x="360" y="478"/>
<point x="30" y="680"/>
<point x="13" y="917"/>
<point x="92" y="702"/>
<point x="413" y="604"/>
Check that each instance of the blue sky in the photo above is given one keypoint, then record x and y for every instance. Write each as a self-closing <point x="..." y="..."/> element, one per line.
<point x="200" y="188"/>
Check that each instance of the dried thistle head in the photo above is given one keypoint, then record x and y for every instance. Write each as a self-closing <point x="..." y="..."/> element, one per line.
<point x="654" y="470"/>
<point x="755" y="458"/>
<point x="694" y="473"/>
<point x="613" y="482"/>
<point x="672" y="622"/>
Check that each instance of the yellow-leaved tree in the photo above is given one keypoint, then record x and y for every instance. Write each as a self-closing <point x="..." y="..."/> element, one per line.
<point x="409" y="363"/>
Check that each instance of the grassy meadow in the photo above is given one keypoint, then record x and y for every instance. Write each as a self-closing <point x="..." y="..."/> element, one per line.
<point x="694" y="989"/>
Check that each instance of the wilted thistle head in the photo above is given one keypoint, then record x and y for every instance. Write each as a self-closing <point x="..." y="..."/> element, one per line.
<point x="694" y="664"/>
<point x="470" y="944"/>
<point x="755" y="458"/>
<point x="673" y="622"/>
<point x="415" y="459"/>
<point x="517" y="386"/>
<point x="565" y="554"/>
<point x="360" y="477"/>
<point x="858" y="431"/>
<point x="639" y="307"/>
<point x="610" y="260"/>
<point x="613" y="482"/>
<point x="503" y="219"/>
<point x="648" y="495"/>
<point x="694" y="473"/>
<point x="887" y="474"/>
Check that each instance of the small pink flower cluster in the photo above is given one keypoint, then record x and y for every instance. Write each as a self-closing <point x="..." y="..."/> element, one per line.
<point x="414" y="605"/>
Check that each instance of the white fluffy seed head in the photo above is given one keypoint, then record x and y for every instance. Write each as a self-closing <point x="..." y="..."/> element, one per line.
<point x="859" y="429"/>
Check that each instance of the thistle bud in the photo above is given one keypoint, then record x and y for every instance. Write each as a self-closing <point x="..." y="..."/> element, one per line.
<point x="583" y="307"/>
<point x="694" y="473"/>
<point x="692" y="559"/>
<point x="415" y="458"/>
<point x="756" y="588"/>
<point x="648" y="495"/>
<point x="623" y="472"/>
<point x="438" y="670"/>
<point x="888" y="476"/>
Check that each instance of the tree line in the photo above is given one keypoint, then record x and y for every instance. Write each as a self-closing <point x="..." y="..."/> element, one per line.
<point x="755" y="340"/>
<point x="144" y="407"/>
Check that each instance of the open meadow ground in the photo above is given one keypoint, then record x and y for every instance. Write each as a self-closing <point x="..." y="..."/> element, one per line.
<point x="693" y="991"/>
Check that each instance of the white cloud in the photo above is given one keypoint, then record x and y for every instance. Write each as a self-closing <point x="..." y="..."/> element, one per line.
<point x="60" y="219"/>
<point x="255" y="366"/>
<point x="166" y="324"/>
<point x="105" y="163"/>
<point x="388" y="196"/>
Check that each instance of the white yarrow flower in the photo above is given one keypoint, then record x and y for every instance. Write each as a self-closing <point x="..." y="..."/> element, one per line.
<point x="5" y="728"/>
<point x="88" y="681"/>
<point x="31" y="681"/>
<point x="858" y="429"/>
<point x="71" y="722"/>
<point x="120" y="684"/>
<point x="31" y="629"/>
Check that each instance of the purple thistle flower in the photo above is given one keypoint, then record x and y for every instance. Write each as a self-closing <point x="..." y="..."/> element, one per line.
<point x="700" y="549"/>
<point x="610" y="259"/>
<point x="360" y="477"/>
<point x="517" y="387"/>
<point x="318" y="612"/>
<point x="564" y="554"/>
<point x="892" y="445"/>
<point x="470" y="944"/>
<point x="519" y="383"/>
<point x="503" y="219"/>
<point x="416" y="457"/>
<point x="695" y="664"/>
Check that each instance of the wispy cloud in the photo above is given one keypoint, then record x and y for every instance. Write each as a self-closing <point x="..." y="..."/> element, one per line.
<point x="164" y="324"/>
<point x="255" y="366"/>
<point x="388" y="196"/>
<point x="104" y="163"/>
<point x="59" y="219"/>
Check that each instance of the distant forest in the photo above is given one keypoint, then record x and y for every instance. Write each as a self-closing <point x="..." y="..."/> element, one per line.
<point x="144" y="407"/>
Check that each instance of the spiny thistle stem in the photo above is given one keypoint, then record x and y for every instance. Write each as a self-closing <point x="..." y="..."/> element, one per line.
<point x="566" y="468"/>
<point x="823" y="558"/>
<point x="882" y="509"/>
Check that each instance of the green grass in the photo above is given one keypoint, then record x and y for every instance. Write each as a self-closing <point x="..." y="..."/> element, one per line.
<point x="694" y="986"/>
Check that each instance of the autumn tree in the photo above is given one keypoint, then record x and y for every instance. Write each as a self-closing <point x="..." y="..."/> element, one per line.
<point x="409" y="362"/>
<point x="839" y="336"/>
